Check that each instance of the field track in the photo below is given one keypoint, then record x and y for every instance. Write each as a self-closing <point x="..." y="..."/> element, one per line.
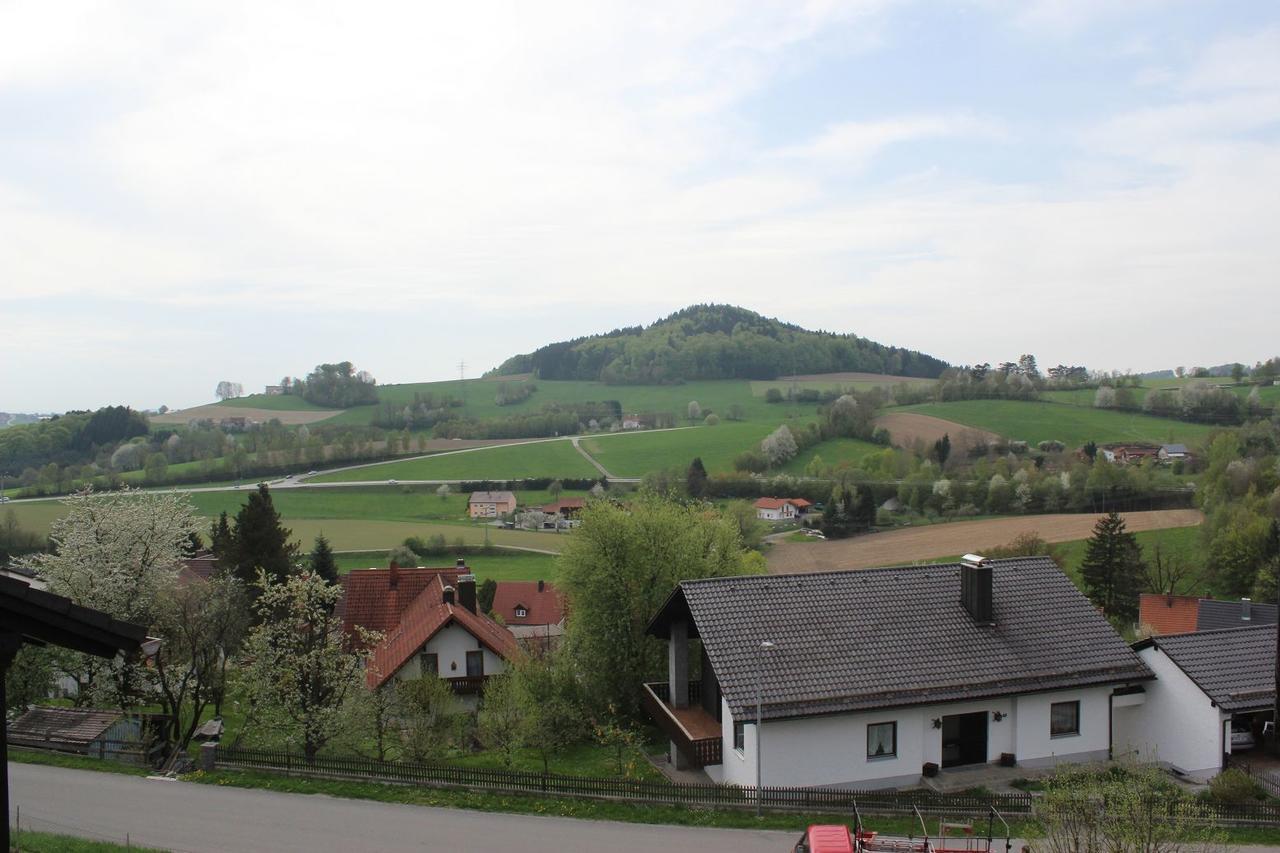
<point x="215" y="412"/>
<point x="912" y="544"/>
<point x="906" y="427"/>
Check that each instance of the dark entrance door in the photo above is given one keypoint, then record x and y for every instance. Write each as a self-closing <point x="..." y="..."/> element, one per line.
<point x="964" y="739"/>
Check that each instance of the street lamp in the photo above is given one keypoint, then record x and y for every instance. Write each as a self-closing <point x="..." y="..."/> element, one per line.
<point x="765" y="646"/>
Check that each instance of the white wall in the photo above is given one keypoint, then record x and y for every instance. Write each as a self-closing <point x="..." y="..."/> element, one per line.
<point x="1177" y="725"/>
<point x="832" y="750"/>
<point x="452" y="644"/>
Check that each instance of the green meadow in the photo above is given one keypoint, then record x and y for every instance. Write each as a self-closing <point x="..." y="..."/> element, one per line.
<point x="1042" y="421"/>
<point x="832" y="452"/>
<point x="500" y="566"/>
<point x="554" y="458"/>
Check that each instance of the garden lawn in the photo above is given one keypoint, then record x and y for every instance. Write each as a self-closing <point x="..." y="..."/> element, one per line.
<point x="1075" y="425"/>
<point x="634" y="454"/>
<point x="553" y="458"/>
<point x="832" y="452"/>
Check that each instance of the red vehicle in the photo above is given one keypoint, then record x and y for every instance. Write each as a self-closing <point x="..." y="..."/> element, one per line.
<point x="951" y="838"/>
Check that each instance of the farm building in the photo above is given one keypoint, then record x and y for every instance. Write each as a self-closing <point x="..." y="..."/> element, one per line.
<point x="79" y="730"/>
<point x="869" y="678"/>
<point x="491" y="504"/>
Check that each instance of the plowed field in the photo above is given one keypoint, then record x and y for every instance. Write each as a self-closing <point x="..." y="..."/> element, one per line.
<point x="215" y="412"/>
<point x="906" y="428"/>
<point x="913" y="544"/>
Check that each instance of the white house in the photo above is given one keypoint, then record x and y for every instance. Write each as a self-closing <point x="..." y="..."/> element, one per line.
<point x="871" y="678"/>
<point x="1208" y="684"/>
<point x="781" y="509"/>
<point x="430" y="625"/>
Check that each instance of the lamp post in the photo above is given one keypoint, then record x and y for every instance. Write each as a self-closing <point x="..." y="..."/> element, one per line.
<point x="765" y="646"/>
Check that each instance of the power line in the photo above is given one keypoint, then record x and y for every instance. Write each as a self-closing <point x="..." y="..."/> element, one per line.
<point x="462" y="369"/>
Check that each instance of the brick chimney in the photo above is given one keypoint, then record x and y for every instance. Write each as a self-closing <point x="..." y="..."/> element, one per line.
<point x="975" y="588"/>
<point x="448" y="595"/>
<point x="467" y="591"/>
<point x="393" y="575"/>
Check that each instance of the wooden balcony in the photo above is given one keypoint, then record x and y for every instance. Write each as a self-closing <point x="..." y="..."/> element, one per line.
<point x="467" y="684"/>
<point x="694" y="732"/>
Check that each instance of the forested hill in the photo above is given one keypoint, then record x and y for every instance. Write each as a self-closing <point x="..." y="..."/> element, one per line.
<point x="715" y="342"/>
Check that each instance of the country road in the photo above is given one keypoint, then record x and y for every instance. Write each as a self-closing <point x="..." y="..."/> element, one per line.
<point x="185" y="816"/>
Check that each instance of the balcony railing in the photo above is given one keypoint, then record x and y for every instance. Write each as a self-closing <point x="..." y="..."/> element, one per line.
<point x="468" y="684"/>
<point x="700" y="750"/>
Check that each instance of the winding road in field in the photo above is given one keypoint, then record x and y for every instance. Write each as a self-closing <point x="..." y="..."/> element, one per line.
<point x="911" y="544"/>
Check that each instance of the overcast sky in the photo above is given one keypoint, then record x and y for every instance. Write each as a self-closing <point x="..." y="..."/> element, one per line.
<point x="192" y="192"/>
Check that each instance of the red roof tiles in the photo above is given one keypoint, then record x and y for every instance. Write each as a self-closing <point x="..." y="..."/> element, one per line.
<point x="542" y="603"/>
<point x="1168" y="614"/>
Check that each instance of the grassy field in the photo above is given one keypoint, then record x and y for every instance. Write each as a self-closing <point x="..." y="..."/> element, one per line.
<point x="277" y="403"/>
<point x="636" y="454"/>
<point x="503" y="566"/>
<point x="1074" y="425"/>
<point x="539" y="459"/>
<point x="832" y="452"/>
<point x="1085" y="396"/>
<point x="1179" y="543"/>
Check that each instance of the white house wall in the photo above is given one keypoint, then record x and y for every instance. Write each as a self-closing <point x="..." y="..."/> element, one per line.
<point x="451" y="644"/>
<point x="1178" y="725"/>
<point x="831" y="750"/>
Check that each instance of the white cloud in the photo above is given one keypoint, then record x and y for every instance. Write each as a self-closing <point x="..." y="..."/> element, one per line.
<point x="852" y="145"/>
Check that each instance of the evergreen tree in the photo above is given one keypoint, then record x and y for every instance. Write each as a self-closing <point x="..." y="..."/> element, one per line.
<point x="484" y="595"/>
<point x="942" y="449"/>
<point x="696" y="479"/>
<point x="194" y="545"/>
<point x="220" y="537"/>
<point x="260" y="542"/>
<point x="1112" y="568"/>
<point x="322" y="561"/>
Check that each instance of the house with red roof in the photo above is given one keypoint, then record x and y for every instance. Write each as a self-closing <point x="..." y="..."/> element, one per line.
<point x="531" y="610"/>
<point x="781" y="509"/>
<point x="1160" y="614"/>
<point x="429" y="625"/>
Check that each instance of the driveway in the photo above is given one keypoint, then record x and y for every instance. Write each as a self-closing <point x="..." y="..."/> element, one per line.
<point x="186" y="816"/>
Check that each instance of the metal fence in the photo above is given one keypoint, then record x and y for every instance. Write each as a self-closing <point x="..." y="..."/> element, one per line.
<point x="628" y="790"/>
<point x="129" y="751"/>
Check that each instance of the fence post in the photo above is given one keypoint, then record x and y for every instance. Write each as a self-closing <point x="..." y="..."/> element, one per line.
<point x="208" y="756"/>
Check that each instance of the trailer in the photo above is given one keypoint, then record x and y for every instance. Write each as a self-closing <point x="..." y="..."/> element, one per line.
<point x="951" y="837"/>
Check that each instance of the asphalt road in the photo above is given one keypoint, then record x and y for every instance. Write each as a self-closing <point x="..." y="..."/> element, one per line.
<point x="185" y="816"/>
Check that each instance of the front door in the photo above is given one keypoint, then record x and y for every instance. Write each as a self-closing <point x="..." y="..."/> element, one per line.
<point x="964" y="739"/>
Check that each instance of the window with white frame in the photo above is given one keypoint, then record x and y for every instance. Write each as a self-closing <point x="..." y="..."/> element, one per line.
<point x="521" y="612"/>
<point x="1064" y="719"/>
<point x="739" y="736"/>
<point x="882" y="740"/>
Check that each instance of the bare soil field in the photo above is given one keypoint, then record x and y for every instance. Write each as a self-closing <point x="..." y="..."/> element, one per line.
<point x="216" y="412"/>
<point x="851" y="376"/>
<point x="906" y="428"/>
<point x="912" y="544"/>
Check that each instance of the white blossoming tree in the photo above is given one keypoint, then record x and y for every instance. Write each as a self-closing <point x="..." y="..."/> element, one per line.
<point x="117" y="552"/>
<point x="300" y="670"/>
<point x="779" y="446"/>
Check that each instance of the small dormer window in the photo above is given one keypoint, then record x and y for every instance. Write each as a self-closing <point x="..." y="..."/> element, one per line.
<point x="521" y="612"/>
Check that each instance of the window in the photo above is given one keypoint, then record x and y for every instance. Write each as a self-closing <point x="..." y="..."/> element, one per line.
<point x="1064" y="719"/>
<point x="882" y="740"/>
<point x="475" y="663"/>
<point x="739" y="736"/>
<point x="521" y="613"/>
<point x="430" y="663"/>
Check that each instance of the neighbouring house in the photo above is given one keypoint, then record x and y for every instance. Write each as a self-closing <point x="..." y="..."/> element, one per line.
<point x="103" y="734"/>
<point x="198" y="568"/>
<point x="1161" y="615"/>
<point x="23" y="574"/>
<point x="531" y="610"/>
<point x="1212" y="693"/>
<point x="1170" y="453"/>
<point x="429" y="624"/>
<point x="491" y="504"/>
<point x="1128" y="454"/>
<point x="781" y="509"/>
<point x="273" y="390"/>
<point x="633" y="422"/>
<point x="565" y="508"/>
<point x="869" y="678"/>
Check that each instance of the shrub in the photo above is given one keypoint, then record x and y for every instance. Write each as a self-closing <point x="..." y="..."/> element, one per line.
<point x="1234" y="786"/>
<point x="711" y="419"/>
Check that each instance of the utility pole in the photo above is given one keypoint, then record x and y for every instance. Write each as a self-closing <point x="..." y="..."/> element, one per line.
<point x="462" y="370"/>
<point x="765" y="646"/>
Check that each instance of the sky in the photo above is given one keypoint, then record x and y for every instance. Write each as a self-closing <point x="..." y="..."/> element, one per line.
<point x="199" y="191"/>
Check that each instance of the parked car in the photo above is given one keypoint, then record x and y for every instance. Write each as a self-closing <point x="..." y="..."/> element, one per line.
<point x="1241" y="737"/>
<point x="393" y="482"/>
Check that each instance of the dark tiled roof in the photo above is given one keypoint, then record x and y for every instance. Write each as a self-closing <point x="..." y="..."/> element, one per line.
<point x="543" y="606"/>
<point x="61" y="726"/>
<point x="854" y="640"/>
<point x="1235" y="667"/>
<point x="491" y="497"/>
<point x="1230" y="614"/>
<point x="1168" y="614"/>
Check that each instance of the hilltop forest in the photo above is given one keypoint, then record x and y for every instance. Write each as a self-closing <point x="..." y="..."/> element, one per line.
<point x="715" y="342"/>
